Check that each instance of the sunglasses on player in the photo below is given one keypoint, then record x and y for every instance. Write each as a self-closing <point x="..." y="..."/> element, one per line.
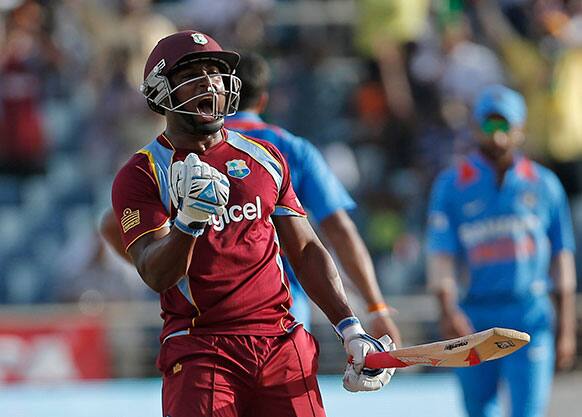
<point x="494" y="124"/>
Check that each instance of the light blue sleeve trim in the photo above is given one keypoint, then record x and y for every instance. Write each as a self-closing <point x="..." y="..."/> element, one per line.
<point x="162" y="160"/>
<point x="259" y="154"/>
<point x="184" y="287"/>
<point x="178" y="333"/>
<point x="285" y="211"/>
<point x="560" y="230"/>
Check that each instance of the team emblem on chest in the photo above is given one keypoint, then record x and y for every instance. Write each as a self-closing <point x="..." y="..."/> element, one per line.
<point x="237" y="168"/>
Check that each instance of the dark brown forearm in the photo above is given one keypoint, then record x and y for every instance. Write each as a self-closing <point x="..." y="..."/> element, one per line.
<point x="353" y="255"/>
<point x="320" y="279"/>
<point x="314" y="267"/>
<point x="162" y="261"/>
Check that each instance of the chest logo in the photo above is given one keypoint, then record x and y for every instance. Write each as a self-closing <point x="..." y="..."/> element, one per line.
<point x="237" y="213"/>
<point x="529" y="199"/>
<point x="237" y="168"/>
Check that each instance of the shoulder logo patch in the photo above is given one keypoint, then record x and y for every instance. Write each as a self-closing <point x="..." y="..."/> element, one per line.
<point x="237" y="168"/>
<point x="129" y="220"/>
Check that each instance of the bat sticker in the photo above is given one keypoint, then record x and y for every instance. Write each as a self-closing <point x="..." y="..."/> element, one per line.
<point x="504" y="344"/>
<point x="456" y="345"/>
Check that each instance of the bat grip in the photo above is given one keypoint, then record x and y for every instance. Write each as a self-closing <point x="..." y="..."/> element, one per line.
<point x="383" y="360"/>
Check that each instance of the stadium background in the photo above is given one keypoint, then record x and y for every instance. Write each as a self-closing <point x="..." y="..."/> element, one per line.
<point x="382" y="87"/>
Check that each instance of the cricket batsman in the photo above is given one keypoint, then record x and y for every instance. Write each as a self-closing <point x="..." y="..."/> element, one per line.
<point x="203" y="213"/>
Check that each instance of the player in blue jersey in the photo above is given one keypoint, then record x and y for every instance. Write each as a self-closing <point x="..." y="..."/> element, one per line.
<point x="505" y="219"/>
<point x="318" y="190"/>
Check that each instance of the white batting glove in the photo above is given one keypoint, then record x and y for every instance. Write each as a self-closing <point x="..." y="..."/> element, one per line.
<point x="198" y="191"/>
<point x="358" y="344"/>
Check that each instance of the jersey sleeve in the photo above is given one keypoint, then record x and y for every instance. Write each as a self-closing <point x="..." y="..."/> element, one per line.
<point x="288" y="203"/>
<point x="136" y="202"/>
<point x="441" y="235"/>
<point x="320" y="190"/>
<point x="560" y="231"/>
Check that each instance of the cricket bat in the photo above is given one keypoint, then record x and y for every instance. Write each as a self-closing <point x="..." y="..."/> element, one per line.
<point x="464" y="351"/>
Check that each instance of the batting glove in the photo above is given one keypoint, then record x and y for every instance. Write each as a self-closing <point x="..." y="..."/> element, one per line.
<point x="198" y="191"/>
<point x="358" y="344"/>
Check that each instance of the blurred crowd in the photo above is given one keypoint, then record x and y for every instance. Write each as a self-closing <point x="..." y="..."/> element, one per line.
<point x="382" y="87"/>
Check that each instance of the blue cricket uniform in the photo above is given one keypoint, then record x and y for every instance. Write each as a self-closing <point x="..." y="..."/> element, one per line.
<point x="318" y="189"/>
<point x="506" y="236"/>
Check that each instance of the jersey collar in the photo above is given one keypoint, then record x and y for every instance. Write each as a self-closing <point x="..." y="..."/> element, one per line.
<point x="165" y="142"/>
<point x="523" y="167"/>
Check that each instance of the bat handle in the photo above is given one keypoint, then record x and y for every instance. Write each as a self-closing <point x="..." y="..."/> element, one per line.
<point x="383" y="360"/>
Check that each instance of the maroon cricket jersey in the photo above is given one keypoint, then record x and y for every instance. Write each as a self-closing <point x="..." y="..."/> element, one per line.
<point x="235" y="282"/>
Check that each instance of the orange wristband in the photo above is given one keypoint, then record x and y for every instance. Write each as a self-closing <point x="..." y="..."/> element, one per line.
<point x="377" y="307"/>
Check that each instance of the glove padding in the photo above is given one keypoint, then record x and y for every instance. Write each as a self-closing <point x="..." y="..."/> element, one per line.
<point x="198" y="191"/>
<point x="356" y="377"/>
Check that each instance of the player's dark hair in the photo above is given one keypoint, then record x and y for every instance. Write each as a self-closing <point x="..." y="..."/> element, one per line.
<point x="253" y="70"/>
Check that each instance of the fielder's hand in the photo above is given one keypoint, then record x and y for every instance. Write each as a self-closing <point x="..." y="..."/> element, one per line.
<point x="381" y="324"/>
<point x="198" y="191"/>
<point x="358" y="344"/>
<point x="455" y="323"/>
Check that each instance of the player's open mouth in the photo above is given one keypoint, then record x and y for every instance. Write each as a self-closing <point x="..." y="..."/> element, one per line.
<point x="205" y="107"/>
